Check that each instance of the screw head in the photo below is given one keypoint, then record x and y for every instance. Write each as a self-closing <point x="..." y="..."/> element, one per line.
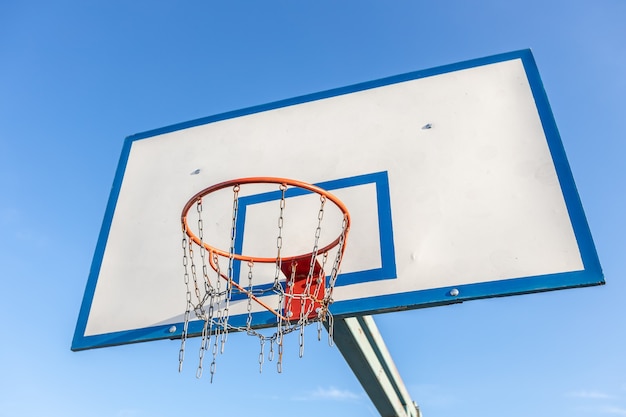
<point x="454" y="292"/>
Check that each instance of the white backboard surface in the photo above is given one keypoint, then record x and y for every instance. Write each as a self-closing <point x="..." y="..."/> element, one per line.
<point x="455" y="177"/>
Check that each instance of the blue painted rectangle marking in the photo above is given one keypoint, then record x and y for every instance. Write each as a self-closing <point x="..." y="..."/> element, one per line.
<point x="387" y="270"/>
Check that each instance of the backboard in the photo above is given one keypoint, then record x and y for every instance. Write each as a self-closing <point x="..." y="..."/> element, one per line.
<point x="455" y="178"/>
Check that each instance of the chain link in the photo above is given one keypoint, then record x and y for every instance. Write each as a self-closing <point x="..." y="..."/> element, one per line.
<point x="270" y="355"/>
<point x="301" y="341"/>
<point x="203" y="347"/>
<point x="249" y="305"/>
<point x="309" y="300"/>
<point x="183" y="338"/>
<point x="291" y="281"/>
<point x="338" y="258"/>
<point x="331" y="328"/>
<point x="261" y="354"/>
<point x="279" y="239"/>
<point x="280" y="328"/>
<point x="320" y="281"/>
<point x="279" y="343"/>
<point x="216" y="303"/>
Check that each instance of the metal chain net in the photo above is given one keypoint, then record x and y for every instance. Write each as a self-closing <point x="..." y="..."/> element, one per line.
<point x="208" y="298"/>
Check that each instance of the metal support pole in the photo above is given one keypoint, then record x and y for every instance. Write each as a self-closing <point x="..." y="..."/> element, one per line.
<point x="363" y="348"/>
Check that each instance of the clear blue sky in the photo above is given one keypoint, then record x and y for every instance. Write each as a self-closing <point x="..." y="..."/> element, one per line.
<point x="77" y="77"/>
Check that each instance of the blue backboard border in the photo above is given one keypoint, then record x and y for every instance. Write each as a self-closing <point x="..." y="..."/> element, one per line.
<point x="589" y="276"/>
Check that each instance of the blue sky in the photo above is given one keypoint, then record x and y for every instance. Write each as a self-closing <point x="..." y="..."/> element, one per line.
<point x="78" y="77"/>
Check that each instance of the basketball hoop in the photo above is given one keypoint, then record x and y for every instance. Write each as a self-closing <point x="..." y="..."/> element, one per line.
<point x="300" y="283"/>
